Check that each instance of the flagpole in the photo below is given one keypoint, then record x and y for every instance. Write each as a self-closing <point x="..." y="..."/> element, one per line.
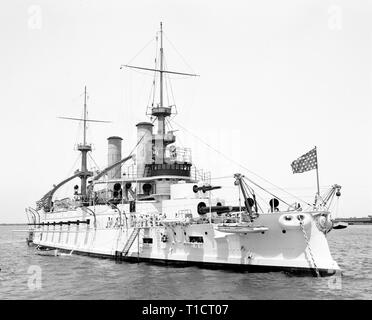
<point x="317" y="173"/>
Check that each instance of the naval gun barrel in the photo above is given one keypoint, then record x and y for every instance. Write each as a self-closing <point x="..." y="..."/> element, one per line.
<point x="204" y="188"/>
<point x="219" y="209"/>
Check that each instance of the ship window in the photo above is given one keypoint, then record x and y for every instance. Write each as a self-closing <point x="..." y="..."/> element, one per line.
<point x="196" y="239"/>
<point x="147" y="240"/>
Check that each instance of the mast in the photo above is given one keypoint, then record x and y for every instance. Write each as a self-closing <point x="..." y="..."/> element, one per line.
<point x="161" y="111"/>
<point x="161" y="64"/>
<point x="85" y="114"/>
<point x="317" y="172"/>
<point x="317" y="197"/>
<point x="84" y="148"/>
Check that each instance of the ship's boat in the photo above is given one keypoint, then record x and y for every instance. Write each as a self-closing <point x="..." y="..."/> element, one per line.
<point x="340" y="225"/>
<point x="43" y="251"/>
<point x="155" y="205"/>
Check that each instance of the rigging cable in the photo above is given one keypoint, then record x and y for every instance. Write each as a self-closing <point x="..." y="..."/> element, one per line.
<point x="166" y="82"/>
<point x="273" y="195"/>
<point x="241" y="166"/>
<point x="139" y="52"/>
<point x="174" y="47"/>
<point x="138" y="142"/>
<point x="155" y="77"/>
<point x="90" y="156"/>
<point x="337" y="206"/>
<point x="173" y="99"/>
<point x="58" y="192"/>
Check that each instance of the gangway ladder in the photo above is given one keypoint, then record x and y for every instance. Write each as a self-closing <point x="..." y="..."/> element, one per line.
<point x="130" y="242"/>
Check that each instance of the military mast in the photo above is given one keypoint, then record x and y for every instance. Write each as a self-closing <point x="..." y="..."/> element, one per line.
<point x="84" y="148"/>
<point x="161" y="112"/>
<point x="161" y="139"/>
<point x="151" y="158"/>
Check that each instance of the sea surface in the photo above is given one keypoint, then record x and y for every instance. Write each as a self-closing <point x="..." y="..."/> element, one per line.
<point x="25" y="275"/>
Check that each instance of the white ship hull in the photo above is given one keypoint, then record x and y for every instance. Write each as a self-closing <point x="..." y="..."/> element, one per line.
<point x="281" y="247"/>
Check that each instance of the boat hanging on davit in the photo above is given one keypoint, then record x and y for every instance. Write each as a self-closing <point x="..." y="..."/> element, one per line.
<point x="154" y="205"/>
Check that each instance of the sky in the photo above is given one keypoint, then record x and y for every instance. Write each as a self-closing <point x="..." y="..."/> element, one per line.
<point x="276" y="79"/>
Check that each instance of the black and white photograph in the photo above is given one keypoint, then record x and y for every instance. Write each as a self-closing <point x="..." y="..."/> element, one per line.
<point x="163" y="150"/>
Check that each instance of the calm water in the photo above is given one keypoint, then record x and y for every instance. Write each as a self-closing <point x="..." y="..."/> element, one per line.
<point x="79" y="277"/>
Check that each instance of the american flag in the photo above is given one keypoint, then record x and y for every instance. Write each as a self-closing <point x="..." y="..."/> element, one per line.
<point x="306" y="162"/>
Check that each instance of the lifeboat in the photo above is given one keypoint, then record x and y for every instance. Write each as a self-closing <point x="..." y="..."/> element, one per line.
<point x="42" y="251"/>
<point x="340" y="225"/>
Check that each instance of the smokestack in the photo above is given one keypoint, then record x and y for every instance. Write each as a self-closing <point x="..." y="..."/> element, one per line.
<point x="113" y="156"/>
<point x="144" y="148"/>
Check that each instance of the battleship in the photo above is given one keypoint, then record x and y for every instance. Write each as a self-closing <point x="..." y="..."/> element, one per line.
<point x="153" y="205"/>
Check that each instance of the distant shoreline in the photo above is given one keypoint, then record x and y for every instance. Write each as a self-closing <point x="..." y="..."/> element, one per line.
<point x="14" y="224"/>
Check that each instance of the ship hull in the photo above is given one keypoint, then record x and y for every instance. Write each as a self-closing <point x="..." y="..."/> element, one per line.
<point x="280" y="248"/>
<point x="296" y="271"/>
